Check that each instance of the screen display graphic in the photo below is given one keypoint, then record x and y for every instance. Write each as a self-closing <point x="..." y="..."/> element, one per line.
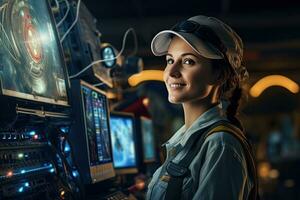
<point x="97" y="126"/>
<point x="122" y="130"/>
<point x="148" y="139"/>
<point x="31" y="63"/>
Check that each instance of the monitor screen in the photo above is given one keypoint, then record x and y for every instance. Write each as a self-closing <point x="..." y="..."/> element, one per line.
<point x="148" y="139"/>
<point x="31" y="61"/>
<point x="123" y="143"/>
<point x="97" y="126"/>
<point x="89" y="134"/>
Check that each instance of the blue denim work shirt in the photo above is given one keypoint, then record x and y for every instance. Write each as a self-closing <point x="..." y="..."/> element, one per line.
<point x="223" y="174"/>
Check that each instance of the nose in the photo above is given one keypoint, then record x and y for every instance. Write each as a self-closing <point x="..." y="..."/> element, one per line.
<point x="173" y="70"/>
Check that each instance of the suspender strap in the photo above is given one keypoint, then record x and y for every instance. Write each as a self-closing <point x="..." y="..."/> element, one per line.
<point x="179" y="171"/>
<point x="198" y="142"/>
<point x="247" y="148"/>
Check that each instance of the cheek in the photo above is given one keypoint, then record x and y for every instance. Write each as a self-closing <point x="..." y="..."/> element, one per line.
<point x="165" y="76"/>
<point x="199" y="83"/>
<point x="197" y="78"/>
<point x="200" y="77"/>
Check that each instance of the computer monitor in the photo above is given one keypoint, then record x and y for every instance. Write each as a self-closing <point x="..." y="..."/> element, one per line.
<point x="148" y="140"/>
<point x="123" y="142"/>
<point x="31" y="62"/>
<point x="89" y="135"/>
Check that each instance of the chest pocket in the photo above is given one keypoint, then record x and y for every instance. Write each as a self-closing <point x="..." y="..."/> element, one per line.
<point x="158" y="190"/>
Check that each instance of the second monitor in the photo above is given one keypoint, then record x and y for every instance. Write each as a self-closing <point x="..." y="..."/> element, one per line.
<point x="123" y="143"/>
<point x="149" y="154"/>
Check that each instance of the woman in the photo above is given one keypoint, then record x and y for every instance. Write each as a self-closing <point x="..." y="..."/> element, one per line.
<point x="203" y="71"/>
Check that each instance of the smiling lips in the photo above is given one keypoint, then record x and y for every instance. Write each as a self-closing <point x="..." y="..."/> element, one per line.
<point x="176" y="85"/>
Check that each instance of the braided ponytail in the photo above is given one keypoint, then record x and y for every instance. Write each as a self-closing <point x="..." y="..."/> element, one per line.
<point x="230" y="90"/>
<point x="233" y="107"/>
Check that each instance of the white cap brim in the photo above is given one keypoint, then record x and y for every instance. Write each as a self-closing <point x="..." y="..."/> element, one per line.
<point x="160" y="44"/>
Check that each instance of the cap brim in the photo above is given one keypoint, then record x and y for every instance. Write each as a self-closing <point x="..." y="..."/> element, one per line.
<point x="160" y="44"/>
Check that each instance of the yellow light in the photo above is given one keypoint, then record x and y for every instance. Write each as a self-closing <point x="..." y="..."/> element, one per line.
<point x="274" y="173"/>
<point x="273" y="80"/>
<point x="264" y="169"/>
<point x="146" y="75"/>
<point x="111" y="95"/>
<point x="146" y="102"/>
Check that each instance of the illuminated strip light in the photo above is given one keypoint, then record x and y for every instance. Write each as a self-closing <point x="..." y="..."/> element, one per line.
<point x="146" y="75"/>
<point x="273" y="80"/>
<point x="46" y="167"/>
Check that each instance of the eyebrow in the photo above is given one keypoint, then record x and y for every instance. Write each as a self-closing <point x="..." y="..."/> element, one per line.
<point x="185" y="54"/>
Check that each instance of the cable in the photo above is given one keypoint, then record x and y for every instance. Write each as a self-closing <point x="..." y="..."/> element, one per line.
<point x="75" y="21"/>
<point x="135" y="43"/>
<point x="65" y="16"/>
<point x="98" y="84"/>
<point x="57" y="4"/>
<point x="67" y="168"/>
<point x="99" y="61"/>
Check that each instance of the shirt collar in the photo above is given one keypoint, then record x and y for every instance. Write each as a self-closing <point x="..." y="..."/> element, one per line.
<point x="207" y="118"/>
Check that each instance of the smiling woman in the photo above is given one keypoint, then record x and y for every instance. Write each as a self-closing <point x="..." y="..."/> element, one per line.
<point x="189" y="77"/>
<point x="209" y="157"/>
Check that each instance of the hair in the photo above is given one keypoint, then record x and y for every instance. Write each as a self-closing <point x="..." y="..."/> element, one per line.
<point x="230" y="89"/>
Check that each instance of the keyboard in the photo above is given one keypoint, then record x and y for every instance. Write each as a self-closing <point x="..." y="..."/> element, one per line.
<point x="118" y="195"/>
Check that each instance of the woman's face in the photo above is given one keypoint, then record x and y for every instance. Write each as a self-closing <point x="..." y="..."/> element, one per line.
<point x="188" y="76"/>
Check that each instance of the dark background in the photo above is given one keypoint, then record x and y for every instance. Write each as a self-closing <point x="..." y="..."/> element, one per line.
<point x="270" y="29"/>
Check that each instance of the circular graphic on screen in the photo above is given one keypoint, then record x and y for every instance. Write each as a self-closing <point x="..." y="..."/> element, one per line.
<point x="31" y="36"/>
<point x="26" y="39"/>
<point x="29" y="41"/>
<point x="30" y="56"/>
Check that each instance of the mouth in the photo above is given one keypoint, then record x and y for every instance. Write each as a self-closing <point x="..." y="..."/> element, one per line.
<point x="176" y="85"/>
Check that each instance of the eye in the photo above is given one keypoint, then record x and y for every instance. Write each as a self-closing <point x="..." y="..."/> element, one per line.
<point x="188" y="61"/>
<point x="170" y="61"/>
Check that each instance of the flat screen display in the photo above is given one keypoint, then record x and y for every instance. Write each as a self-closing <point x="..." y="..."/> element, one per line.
<point x="148" y="139"/>
<point x="123" y="146"/>
<point x="31" y="61"/>
<point x="97" y="126"/>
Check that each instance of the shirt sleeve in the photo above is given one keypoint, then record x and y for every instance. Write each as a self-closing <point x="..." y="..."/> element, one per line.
<point x="222" y="175"/>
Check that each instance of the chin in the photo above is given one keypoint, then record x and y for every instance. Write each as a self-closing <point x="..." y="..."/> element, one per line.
<point x="174" y="100"/>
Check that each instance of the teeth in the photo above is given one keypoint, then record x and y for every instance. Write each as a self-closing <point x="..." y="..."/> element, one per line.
<point x="176" y="85"/>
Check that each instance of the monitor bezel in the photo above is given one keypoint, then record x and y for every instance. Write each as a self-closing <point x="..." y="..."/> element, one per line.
<point x="94" y="169"/>
<point x="37" y="98"/>
<point x="129" y="169"/>
<point x="83" y="83"/>
<point x="142" y="135"/>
